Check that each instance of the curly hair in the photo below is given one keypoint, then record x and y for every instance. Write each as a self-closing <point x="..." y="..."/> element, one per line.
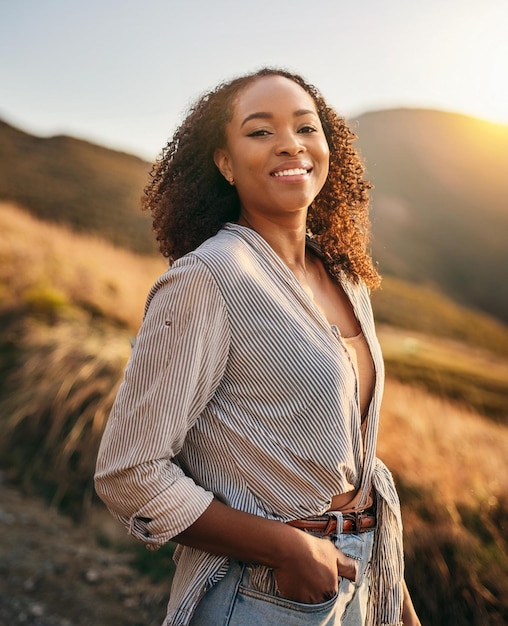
<point x="190" y="200"/>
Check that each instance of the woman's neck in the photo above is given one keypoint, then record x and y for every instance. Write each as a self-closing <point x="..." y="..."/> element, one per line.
<point x="287" y="240"/>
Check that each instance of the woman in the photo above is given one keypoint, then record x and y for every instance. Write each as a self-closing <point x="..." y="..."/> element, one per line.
<point x="245" y="427"/>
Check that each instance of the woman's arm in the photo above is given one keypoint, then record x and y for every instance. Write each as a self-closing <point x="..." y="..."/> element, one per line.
<point x="176" y="364"/>
<point x="409" y="617"/>
<point x="306" y="568"/>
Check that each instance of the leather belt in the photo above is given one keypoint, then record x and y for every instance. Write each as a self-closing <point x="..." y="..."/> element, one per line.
<point x="357" y="522"/>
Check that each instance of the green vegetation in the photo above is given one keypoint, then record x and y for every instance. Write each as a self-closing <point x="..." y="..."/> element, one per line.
<point x="483" y="391"/>
<point x="158" y="565"/>
<point x="474" y="377"/>
<point x="449" y="350"/>
<point x="421" y="309"/>
<point x="44" y="300"/>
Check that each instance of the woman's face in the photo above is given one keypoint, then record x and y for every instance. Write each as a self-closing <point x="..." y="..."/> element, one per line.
<point x="276" y="150"/>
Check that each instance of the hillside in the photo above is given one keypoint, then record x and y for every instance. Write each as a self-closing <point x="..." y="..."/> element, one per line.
<point x="69" y="303"/>
<point x="56" y="573"/>
<point x="440" y="202"/>
<point x="77" y="183"/>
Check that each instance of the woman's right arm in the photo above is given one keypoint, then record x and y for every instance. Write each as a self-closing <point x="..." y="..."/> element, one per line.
<point x="176" y="364"/>
<point x="306" y="568"/>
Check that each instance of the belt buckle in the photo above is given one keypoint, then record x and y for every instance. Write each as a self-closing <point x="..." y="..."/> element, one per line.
<point x="358" y="520"/>
<point x="331" y="525"/>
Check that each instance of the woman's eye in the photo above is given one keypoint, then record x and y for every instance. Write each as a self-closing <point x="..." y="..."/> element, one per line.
<point x="307" y="129"/>
<point x="258" y="133"/>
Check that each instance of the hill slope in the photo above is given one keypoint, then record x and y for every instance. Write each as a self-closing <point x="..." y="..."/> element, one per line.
<point x="68" y="304"/>
<point x="74" y="182"/>
<point x="440" y="203"/>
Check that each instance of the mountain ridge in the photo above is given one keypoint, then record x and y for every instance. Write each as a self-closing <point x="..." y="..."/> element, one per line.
<point x="439" y="203"/>
<point x="77" y="183"/>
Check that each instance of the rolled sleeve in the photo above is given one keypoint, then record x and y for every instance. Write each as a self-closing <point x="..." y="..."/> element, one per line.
<point x="177" y="363"/>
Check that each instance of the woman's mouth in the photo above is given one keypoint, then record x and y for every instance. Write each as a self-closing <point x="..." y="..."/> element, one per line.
<point x="291" y="172"/>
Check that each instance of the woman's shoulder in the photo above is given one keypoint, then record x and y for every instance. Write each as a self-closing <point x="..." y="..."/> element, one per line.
<point x="201" y="270"/>
<point x="227" y="249"/>
<point x="229" y="237"/>
<point x="186" y="279"/>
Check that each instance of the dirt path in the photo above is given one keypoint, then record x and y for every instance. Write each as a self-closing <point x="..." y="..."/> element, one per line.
<point x="53" y="573"/>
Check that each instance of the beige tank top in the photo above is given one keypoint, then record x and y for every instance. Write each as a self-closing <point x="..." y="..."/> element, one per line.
<point x="361" y="358"/>
<point x="362" y="361"/>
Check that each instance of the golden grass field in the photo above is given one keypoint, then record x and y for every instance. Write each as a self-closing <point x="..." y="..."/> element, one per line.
<point x="48" y="265"/>
<point x="435" y="445"/>
<point x="69" y="305"/>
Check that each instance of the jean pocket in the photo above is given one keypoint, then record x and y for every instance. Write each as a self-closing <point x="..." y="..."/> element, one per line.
<point x="359" y="548"/>
<point x="253" y="607"/>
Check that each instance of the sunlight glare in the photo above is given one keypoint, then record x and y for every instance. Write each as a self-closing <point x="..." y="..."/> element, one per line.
<point x="473" y="47"/>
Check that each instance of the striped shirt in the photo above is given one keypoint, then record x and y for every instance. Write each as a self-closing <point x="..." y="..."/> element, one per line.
<point x="239" y="388"/>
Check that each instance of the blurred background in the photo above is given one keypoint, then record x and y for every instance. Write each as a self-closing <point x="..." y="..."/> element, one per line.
<point x="89" y="95"/>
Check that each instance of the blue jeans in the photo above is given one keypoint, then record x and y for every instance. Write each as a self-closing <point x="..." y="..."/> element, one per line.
<point x="234" y="602"/>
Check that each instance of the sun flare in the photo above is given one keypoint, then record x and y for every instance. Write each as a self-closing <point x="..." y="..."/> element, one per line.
<point x="474" y="46"/>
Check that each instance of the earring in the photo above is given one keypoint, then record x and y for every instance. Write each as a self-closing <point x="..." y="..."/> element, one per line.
<point x="231" y="181"/>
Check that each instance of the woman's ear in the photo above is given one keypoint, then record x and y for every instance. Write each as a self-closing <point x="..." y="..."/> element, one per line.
<point x="223" y="163"/>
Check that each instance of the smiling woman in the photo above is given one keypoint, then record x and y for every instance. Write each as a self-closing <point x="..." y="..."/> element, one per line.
<point x="245" y="428"/>
<point x="190" y="199"/>
<point x="274" y="140"/>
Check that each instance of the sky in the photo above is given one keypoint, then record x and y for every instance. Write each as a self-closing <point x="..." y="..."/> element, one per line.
<point x="122" y="73"/>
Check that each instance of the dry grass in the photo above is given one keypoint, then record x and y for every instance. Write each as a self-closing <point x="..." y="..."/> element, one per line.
<point x="450" y="468"/>
<point x="439" y="446"/>
<point x="473" y="376"/>
<point x="54" y="404"/>
<point x="68" y="305"/>
<point x="46" y="265"/>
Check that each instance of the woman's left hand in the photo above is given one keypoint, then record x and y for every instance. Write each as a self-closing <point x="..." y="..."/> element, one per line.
<point x="409" y="616"/>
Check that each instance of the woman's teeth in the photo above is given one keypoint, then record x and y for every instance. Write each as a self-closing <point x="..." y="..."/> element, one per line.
<point x="290" y="172"/>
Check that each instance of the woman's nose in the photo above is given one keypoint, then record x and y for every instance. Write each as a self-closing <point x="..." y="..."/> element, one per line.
<point x="290" y="143"/>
